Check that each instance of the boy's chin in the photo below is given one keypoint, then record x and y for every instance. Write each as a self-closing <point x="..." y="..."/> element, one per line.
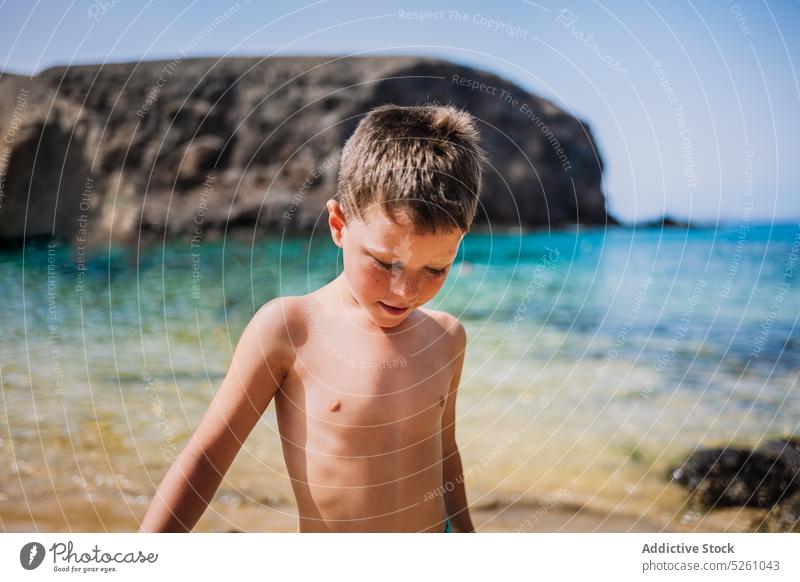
<point x="382" y="318"/>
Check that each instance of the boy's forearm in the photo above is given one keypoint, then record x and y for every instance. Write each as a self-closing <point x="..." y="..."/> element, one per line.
<point x="455" y="496"/>
<point x="182" y="497"/>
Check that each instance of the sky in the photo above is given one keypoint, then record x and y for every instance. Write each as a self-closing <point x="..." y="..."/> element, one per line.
<point x="694" y="105"/>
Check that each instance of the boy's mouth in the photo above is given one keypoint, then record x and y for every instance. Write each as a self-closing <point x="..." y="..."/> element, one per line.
<point x="392" y="310"/>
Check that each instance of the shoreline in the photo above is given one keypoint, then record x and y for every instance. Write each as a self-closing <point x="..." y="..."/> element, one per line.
<point x="81" y="515"/>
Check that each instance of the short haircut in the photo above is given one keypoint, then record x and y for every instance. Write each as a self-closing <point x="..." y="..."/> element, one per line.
<point x="420" y="162"/>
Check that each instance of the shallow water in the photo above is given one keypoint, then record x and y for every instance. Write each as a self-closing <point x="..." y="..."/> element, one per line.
<point x="597" y="358"/>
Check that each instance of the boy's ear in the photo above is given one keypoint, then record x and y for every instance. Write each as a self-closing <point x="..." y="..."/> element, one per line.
<point x="336" y="221"/>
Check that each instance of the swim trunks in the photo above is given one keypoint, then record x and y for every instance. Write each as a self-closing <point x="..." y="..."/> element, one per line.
<point x="447" y="528"/>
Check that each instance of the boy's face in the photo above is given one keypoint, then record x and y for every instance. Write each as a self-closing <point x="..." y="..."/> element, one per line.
<point x="390" y="269"/>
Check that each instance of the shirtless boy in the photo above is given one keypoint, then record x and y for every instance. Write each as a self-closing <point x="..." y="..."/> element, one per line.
<point x="364" y="379"/>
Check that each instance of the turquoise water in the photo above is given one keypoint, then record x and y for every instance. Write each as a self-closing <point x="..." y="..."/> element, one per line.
<point x="596" y="359"/>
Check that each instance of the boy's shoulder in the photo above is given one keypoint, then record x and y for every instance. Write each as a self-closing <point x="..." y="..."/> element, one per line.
<point x="288" y="315"/>
<point x="449" y="324"/>
<point x="280" y="318"/>
<point x="289" y="308"/>
<point x="446" y="320"/>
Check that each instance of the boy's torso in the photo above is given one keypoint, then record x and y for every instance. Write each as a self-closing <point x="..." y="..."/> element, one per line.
<point x="360" y="418"/>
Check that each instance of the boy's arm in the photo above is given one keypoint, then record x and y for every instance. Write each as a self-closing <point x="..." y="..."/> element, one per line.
<point x="455" y="497"/>
<point x="260" y="362"/>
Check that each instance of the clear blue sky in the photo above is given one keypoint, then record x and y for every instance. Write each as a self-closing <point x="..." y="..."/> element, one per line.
<point x="732" y="68"/>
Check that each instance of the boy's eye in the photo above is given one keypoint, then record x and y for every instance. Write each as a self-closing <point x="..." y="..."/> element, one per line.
<point x="392" y="266"/>
<point x="387" y="266"/>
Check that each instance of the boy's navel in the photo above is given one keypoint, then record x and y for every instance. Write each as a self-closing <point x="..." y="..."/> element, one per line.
<point x="334" y="405"/>
<point x="441" y="400"/>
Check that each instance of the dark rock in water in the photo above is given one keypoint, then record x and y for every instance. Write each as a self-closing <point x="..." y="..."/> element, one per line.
<point x="788" y="451"/>
<point x="783" y="518"/>
<point x="665" y="221"/>
<point x="176" y="147"/>
<point x="739" y="477"/>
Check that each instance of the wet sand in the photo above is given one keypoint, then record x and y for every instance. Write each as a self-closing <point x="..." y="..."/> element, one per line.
<point x="80" y="515"/>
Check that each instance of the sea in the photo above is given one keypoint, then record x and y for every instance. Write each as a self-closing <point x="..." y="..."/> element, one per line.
<point x="598" y="360"/>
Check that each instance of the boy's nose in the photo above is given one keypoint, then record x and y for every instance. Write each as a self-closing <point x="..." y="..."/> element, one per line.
<point x="406" y="288"/>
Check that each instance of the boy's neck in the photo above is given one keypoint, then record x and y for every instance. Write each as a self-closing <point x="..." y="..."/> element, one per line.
<point x="343" y="292"/>
<point x="345" y="298"/>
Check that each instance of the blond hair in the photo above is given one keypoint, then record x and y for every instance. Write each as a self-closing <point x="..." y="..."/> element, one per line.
<point x="423" y="162"/>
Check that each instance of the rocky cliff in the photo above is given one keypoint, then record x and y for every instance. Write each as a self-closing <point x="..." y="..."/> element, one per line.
<point x="195" y="147"/>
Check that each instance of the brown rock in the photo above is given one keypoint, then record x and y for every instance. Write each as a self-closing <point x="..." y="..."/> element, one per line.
<point x="254" y="142"/>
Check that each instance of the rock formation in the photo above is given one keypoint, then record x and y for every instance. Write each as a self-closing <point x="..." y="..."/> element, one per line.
<point x="199" y="146"/>
<point x="767" y="477"/>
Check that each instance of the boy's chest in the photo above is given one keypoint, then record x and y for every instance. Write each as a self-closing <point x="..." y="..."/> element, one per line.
<point x="367" y="381"/>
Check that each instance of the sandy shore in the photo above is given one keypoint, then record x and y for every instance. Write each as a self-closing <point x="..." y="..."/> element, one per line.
<point x="83" y="516"/>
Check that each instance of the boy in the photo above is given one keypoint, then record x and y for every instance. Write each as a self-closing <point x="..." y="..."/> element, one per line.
<point x="364" y="378"/>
